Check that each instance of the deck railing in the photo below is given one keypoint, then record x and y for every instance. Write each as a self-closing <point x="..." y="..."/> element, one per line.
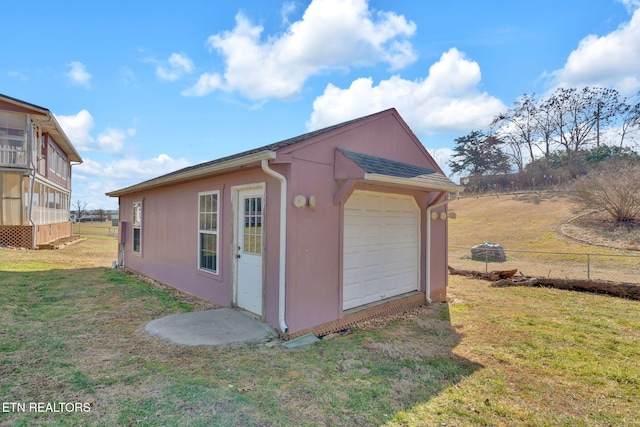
<point x="13" y="152"/>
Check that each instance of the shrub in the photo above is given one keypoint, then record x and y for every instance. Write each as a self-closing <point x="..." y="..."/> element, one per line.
<point x="613" y="187"/>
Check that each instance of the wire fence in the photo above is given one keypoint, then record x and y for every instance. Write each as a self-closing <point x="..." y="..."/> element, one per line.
<point x="560" y="265"/>
<point x="95" y="229"/>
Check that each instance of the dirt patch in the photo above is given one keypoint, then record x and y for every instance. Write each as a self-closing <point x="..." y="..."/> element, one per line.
<point x="597" y="229"/>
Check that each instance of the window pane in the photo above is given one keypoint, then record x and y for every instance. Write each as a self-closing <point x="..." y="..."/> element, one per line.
<point x="208" y="238"/>
<point x="136" y="240"/>
<point x="208" y="253"/>
<point x="208" y="208"/>
<point x="253" y="225"/>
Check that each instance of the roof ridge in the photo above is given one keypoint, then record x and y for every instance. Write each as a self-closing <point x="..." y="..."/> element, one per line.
<point x="269" y="147"/>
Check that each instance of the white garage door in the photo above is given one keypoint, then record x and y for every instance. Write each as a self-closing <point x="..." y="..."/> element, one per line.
<point x="381" y="247"/>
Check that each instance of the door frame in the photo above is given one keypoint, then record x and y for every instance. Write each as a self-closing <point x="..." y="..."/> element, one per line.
<point x="235" y="211"/>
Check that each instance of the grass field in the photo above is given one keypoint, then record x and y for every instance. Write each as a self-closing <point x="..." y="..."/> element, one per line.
<point x="95" y="228"/>
<point x="532" y="222"/>
<point x="72" y="331"/>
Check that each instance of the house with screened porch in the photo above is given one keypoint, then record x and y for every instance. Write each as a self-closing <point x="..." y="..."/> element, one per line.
<point x="35" y="175"/>
<point x="309" y="234"/>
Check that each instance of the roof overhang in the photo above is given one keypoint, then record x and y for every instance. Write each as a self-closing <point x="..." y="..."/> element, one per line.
<point x="366" y="168"/>
<point x="191" y="173"/>
<point x="48" y="123"/>
<point x="423" y="183"/>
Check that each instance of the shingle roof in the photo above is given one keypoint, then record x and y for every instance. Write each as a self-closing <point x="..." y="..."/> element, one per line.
<point x="412" y="173"/>
<point x="190" y="170"/>
<point x="382" y="166"/>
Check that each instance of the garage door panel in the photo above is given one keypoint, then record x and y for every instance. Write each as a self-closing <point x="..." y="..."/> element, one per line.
<point x="380" y="248"/>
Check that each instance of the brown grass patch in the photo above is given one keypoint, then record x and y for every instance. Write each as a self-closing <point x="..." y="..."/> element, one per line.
<point x="596" y="228"/>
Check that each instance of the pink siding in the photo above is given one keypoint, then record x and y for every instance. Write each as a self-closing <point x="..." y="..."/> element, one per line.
<point x="314" y="236"/>
<point x="170" y="237"/>
<point x="314" y="248"/>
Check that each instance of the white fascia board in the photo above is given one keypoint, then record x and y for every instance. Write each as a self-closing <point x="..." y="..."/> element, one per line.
<point x="197" y="172"/>
<point x="407" y="182"/>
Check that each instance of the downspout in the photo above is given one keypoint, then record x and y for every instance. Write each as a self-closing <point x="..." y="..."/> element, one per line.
<point x="429" y="208"/>
<point x="32" y="185"/>
<point x="283" y="243"/>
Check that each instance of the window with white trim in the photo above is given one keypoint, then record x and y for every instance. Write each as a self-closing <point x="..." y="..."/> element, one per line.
<point x="208" y="242"/>
<point x="137" y="227"/>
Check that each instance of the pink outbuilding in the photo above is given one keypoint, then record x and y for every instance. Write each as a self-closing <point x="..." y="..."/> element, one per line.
<point x="310" y="234"/>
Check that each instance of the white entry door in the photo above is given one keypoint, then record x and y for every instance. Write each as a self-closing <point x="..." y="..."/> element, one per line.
<point x="249" y="248"/>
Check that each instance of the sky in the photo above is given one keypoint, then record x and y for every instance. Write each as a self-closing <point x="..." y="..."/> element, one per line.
<point x="144" y="88"/>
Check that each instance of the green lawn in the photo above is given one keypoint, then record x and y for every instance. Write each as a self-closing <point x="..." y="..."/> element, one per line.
<point x="72" y="331"/>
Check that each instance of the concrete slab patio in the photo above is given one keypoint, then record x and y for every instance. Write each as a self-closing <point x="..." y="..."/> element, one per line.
<point x="221" y="326"/>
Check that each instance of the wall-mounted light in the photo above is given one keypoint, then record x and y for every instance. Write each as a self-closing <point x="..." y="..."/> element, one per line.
<point x="441" y="215"/>
<point x="299" y="201"/>
<point x="312" y="202"/>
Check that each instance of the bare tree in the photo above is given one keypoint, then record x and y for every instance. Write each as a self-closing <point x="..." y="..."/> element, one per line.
<point x="545" y="126"/>
<point x="578" y="115"/>
<point x="630" y="116"/>
<point x="517" y="128"/>
<point x="614" y="188"/>
<point x="81" y="208"/>
<point x="101" y="213"/>
<point x="604" y="104"/>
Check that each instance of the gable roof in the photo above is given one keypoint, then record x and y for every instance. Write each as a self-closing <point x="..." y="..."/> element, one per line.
<point x="395" y="172"/>
<point x="47" y="121"/>
<point x="244" y="158"/>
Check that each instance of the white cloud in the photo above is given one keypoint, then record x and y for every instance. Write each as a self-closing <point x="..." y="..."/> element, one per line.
<point x="179" y="65"/>
<point x="207" y="83"/>
<point x="78" y="74"/>
<point x="92" y="179"/>
<point x="112" y="140"/>
<point x="631" y="5"/>
<point x="332" y="34"/>
<point x="448" y="99"/>
<point x="611" y="60"/>
<point x="78" y="129"/>
<point x="287" y="9"/>
<point x="129" y="170"/>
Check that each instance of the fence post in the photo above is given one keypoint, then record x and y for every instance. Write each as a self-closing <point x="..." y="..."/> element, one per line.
<point x="486" y="260"/>
<point x="588" y="266"/>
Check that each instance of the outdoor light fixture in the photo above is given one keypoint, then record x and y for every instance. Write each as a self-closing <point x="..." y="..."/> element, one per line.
<point x="299" y="201"/>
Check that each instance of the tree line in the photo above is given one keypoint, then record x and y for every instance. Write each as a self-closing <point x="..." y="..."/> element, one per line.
<point x="569" y="127"/>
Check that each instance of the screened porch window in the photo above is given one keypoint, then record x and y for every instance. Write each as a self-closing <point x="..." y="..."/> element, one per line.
<point x="208" y="231"/>
<point x="11" y="206"/>
<point x="13" y="139"/>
